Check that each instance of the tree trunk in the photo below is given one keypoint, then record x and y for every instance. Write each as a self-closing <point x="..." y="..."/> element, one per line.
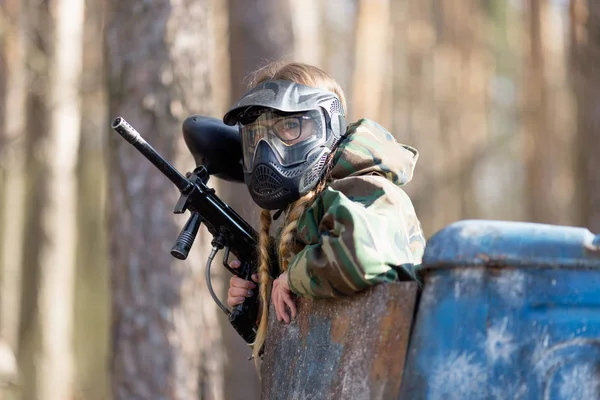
<point x="3" y="139"/>
<point x="585" y="58"/>
<point x="51" y="140"/>
<point x="4" y="38"/>
<point x="11" y="176"/>
<point x="92" y="302"/>
<point x="338" y="44"/>
<point x="372" y="61"/>
<point x="547" y="148"/>
<point x="166" y="337"/>
<point x="39" y="29"/>
<point x="500" y="180"/>
<point x="12" y="211"/>
<point x="57" y="251"/>
<point x="308" y="31"/>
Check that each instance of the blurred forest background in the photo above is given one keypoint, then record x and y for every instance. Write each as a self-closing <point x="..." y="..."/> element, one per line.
<point x="501" y="98"/>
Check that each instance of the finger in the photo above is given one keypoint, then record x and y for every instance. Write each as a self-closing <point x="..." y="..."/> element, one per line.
<point x="255" y="277"/>
<point x="275" y="300"/>
<point x="278" y="301"/>
<point x="235" y="264"/>
<point x="287" y="298"/>
<point x="282" y="310"/>
<point x="236" y="281"/>
<point x="284" y="313"/>
<point x="239" y="292"/>
<point x="234" y="301"/>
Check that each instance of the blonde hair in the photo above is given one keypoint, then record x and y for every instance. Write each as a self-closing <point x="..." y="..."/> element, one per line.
<point x="307" y="75"/>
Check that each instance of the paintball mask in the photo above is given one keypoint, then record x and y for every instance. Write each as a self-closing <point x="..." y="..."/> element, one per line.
<point x="287" y="131"/>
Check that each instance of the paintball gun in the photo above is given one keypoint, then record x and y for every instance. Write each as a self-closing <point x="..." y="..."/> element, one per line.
<point x="217" y="151"/>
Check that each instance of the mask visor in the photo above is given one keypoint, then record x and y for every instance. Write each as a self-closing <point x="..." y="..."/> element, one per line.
<point x="291" y="136"/>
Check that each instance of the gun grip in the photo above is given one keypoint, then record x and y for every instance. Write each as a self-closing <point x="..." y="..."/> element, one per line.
<point x="243" y="316"/>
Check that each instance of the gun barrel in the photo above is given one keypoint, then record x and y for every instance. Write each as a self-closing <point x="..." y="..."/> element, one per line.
<point x="129" y="133"/>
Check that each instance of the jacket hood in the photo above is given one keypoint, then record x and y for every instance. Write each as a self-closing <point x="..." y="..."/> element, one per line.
<point x="369" y="149"/>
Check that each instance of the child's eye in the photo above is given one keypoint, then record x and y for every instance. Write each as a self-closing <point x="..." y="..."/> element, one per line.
<point x="291" y="124"/>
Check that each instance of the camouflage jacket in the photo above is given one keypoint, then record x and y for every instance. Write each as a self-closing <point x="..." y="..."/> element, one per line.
<point x="362" y="229"/>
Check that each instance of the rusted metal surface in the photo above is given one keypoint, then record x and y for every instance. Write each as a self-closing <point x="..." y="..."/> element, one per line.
<point x="352" y="348"/>
<point x="508" y="311"/>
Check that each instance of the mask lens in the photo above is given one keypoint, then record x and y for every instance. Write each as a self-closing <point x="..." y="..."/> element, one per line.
<point x="288" y="128"/>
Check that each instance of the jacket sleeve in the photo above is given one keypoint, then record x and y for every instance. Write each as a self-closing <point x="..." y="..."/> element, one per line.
<point x="355" y="235"/>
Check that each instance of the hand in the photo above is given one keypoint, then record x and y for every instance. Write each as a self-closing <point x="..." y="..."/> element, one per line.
<point x="239" y="288"/>
<point x="281" y="295"/>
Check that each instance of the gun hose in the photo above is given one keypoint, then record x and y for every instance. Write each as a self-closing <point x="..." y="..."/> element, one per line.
<point x="209" y="284"/>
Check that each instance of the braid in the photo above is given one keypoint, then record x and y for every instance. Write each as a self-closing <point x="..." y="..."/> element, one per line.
<point x="287" y="233"/>
<point x="264" y="279"/>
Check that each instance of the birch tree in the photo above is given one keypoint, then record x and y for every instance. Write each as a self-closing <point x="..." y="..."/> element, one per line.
<point x="58" y="221"/>
<point x="91" y="298"/>
<point x="12" y="212"/>
<point x="51" y="136"/>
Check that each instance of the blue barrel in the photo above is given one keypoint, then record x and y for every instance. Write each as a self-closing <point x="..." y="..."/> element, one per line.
<point x="509" y="310"/>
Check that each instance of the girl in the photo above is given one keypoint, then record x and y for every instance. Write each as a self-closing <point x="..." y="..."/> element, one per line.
<point x="348" y="224"/>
